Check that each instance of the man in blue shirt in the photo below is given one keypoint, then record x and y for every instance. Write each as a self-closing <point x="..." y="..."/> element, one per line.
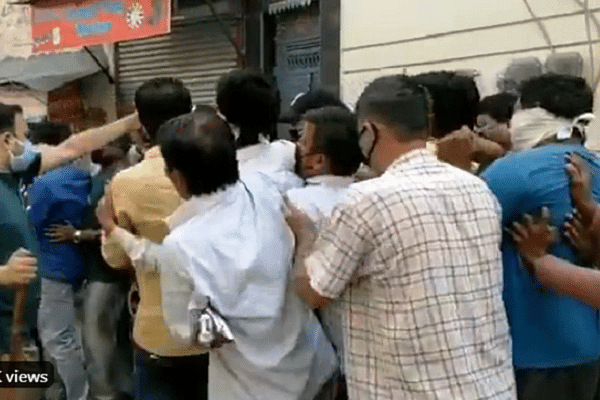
<point x="61" y="195"/>
<point x="556" y="339"/>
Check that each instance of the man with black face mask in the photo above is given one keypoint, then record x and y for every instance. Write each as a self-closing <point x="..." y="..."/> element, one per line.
<point x="414" y="254"/>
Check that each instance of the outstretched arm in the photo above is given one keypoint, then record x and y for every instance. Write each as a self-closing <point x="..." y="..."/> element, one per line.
<point x="86" y="142"/>
<point x="566" y="278"/>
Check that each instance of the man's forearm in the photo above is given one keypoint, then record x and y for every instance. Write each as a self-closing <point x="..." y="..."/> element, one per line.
<point x="80" y="144"/>
<point x="569" y="279"/>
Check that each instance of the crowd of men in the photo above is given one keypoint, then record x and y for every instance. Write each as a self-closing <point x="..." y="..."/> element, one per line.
<point x="425" y="245"/>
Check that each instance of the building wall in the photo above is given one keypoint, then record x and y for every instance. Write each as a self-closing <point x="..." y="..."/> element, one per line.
<point x="34" y="103"/>
<point x="97" y="92"/>
<point x="388" y="37"/>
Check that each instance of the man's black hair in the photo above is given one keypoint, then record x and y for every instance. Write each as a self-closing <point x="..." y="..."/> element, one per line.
<point x="498" y="106"/>
<point x="51" y="133"/>
<point x="563" y="95"/>
<point x="200" y="146"/>
<point x="455" y="98"/>
<point x="311" y="100"/>
<point x="336" y="136"/>
<point x="160" y="99"/>
<point x="249" y="101"/>
<point x="7" y="118"/>
<point x="399" y="102"/>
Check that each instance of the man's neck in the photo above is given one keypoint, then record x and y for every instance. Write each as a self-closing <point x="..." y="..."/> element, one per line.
<point x="4" y="165"/>
<point x="398" y="149"/>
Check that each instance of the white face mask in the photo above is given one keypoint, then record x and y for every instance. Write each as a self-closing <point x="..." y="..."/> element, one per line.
<point x="531" y="126"/>
<point x="22" y="154"/>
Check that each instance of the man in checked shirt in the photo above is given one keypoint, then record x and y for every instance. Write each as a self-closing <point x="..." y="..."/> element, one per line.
<point x="415" y="257"/>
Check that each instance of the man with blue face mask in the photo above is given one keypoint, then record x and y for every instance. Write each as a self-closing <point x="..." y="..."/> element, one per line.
<point x="15" y="229"/>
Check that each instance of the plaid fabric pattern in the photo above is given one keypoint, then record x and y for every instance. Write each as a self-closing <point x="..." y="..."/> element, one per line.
<point x="415" y="257"/>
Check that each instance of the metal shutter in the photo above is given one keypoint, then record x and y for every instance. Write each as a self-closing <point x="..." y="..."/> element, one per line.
<point x="196" y="51"/>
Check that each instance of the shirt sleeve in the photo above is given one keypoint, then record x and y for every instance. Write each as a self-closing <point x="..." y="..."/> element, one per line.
<point x="340" y="251"/>
<point x="176" y="283"/>
<point x="113" y="253"/>
<point x="177" y="291"/>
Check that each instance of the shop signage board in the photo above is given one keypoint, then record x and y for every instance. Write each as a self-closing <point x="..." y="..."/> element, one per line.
<point x="15" y="30"/>
<point x="60" y="25"/>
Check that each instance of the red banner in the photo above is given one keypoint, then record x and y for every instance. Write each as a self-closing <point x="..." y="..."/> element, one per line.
<point x="61" y="25"/>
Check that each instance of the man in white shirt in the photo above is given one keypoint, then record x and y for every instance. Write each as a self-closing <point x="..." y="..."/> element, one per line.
<point x="229" y="241"/>
<point x="329" y="155"/>
<point x="415" y="257"/>
<point x="250" y="104"/>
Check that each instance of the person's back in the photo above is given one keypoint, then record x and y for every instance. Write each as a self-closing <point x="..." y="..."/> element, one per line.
<point x="564" y="361"/>
<point x="567" y="331"/>
<point x="277" y="338"/>
<point x="143" y="197"/>
<point x="55" y="197"/>
<point x="445" y="282"/>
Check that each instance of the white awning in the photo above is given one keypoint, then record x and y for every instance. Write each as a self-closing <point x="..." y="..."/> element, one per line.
<point x="286" y="5"/>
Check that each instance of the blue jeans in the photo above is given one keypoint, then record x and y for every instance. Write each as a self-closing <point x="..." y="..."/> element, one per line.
<point x="172" y="378"/>
<point x="61" y="337"/>
<point x="106" y="361"/>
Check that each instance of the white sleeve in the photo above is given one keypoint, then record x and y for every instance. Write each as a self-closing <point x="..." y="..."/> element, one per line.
<point x="176" y="283"/>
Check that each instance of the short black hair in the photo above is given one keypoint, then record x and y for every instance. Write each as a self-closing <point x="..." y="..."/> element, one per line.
<point x="336" y="136"/>
<point x="249" y="101"/>
<point x="160" y="99"/>
<point x="397" y="101"/>
<point x="498" y="106"/>
<point x="563" y="95"/>
<point x="7" y="118"/>
<point x="200" y="146"/>
<point x="49" y="132"/>
<point x="311" y="100"/>
<point x="455" y="98"/>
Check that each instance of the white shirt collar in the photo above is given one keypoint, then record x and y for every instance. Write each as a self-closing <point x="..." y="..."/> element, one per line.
<point x="253" y="151"/>
<point x="330" y="180"/>
<point x="197" y="205"/>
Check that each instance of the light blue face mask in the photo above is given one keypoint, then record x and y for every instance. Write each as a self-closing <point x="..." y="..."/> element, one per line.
<point x="21" y="162"/>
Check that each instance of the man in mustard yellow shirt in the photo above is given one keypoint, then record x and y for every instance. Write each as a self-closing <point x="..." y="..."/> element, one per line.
<point x="143" y="197"/>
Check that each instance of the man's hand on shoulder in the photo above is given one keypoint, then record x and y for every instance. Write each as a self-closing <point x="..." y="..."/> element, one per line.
<point x="534" y="236"/>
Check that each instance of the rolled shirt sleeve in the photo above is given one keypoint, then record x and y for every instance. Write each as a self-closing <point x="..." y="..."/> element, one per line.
<point x="339" y="252"/>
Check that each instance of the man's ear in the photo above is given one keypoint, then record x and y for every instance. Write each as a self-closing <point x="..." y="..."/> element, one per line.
<point x="5" y="137"/>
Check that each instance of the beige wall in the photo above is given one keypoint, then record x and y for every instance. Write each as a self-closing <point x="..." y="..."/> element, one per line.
<point x="34" y="103"/>
<point x="380" y="37"/>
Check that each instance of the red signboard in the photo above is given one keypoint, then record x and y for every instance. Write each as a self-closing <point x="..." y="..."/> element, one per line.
<point x="60" y="25"/>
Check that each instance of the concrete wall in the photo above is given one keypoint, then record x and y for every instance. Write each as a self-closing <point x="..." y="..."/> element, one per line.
<point x="97" y="92"/>
<point x="34" y="103"/>
<point x="380" y="37"/>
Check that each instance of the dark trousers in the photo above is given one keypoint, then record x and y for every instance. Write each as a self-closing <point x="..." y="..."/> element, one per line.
<point x="170" y="378"/>
<point x="581" y="382"/>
